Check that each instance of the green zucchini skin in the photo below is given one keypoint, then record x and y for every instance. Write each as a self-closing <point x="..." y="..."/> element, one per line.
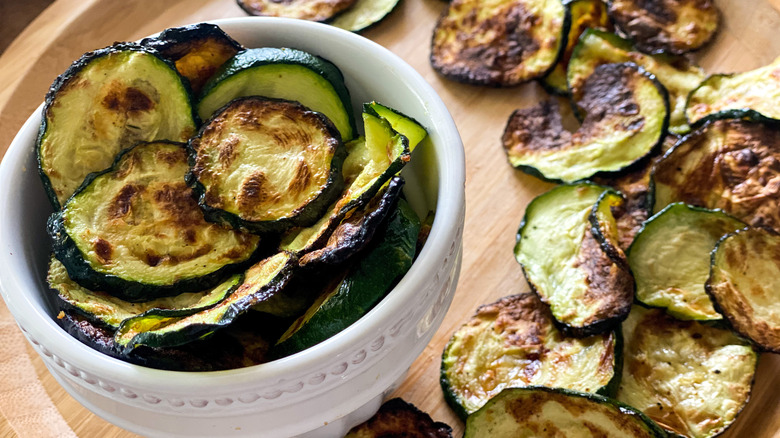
<point x="410" y="128"/>
<point x="364" y="14"/>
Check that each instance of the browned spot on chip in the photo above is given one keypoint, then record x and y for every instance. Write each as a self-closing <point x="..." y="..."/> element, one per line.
<point x="127" y="100"/>
<point x="123" y="201"/>
<point x="103" y="250"/>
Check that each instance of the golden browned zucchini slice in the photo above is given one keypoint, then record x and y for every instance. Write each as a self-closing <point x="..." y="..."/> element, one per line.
<point x="499" y="43"/>
<point x="514" y="343"/>
<point x="397" y="418"/>
<point x="364" y="14"/>
<point x="726" y="164"/>
<point x="671" y="26"/>
<point x="691" y="378"/>
<point x="626" y="118"/>
<point x="266" y="165"/>
<point x="744" y="284"/>
<point x="314" y="10"/>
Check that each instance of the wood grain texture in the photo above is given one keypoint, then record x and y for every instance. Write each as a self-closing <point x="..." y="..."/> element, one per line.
<point x="496" y="194"/>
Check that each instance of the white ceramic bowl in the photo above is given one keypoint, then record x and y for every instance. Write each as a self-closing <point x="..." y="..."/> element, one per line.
<point x="322" y="391"/>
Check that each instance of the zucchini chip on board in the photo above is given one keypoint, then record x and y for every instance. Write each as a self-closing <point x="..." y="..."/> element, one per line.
<point x="266" y="165"/>
<point x="135" y="231"/>
<point x="313" y="10"/>
<point x="364" y="14"/>
<point x="541" y="412"/>
<point x="500" y="42"/>
<point x="105" y="102"/>
<point x="514" y="343"/>
<point x="666" y="26"/>
<point x="690" y="378"/>
<point x="567" y="247"/>
<point x="744" y="283"/>
<point x="726" y="164"/>
<point x="626" y="118"/>
<point x="397" y="418"/>
<point x="686" y="235"/>
<point x="753" y="94"/>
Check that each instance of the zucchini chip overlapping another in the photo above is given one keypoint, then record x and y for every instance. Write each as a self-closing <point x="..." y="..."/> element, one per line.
<point x="499" y="43"/>
<point x="568" y="248"/>
<point x="691" y="378"/>
<point x="397" y="418"/>
<point x="514" y="343"/>
<point x="314" y="10"/>
<point x="364" y="14"/>
<point x="626" y="118"/>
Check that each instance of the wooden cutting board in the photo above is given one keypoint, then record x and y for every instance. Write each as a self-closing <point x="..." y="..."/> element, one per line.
<point x="496" y="194"/>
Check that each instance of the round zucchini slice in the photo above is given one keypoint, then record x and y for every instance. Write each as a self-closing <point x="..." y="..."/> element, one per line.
<point x="666" y="26"/>
<point x="514" y="343"/>
<point x="627" y="113"/>
<point x="686" y="235"/>
<point x="266" y="165"/>
<point x="690" y="378"/>
<point x="135" y="231"/>
<point x="499" y="43"/>
<point x="105" y="102"/>
<point x="364" y="14"/>
<point x="313" y="10"/>
<point x="726" y="164"/>
<point x="744" y="283"/>
<point x="287" y="74"/>
<point x="541" y="412"/>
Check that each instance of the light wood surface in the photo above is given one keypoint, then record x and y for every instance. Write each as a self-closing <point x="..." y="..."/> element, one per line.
<point x="496" y="194"/>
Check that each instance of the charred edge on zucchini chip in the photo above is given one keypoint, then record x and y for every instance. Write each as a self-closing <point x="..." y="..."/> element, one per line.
<point x="400" y="419"/>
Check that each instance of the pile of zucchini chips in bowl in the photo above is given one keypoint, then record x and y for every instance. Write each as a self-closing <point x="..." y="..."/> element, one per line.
<point x="654" y="262"/>
<point x="215" y="206"/>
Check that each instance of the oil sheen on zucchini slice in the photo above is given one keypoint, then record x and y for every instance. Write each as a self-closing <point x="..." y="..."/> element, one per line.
<point x="726" y="164"/>
<point x="676" y="74"/>
<point x="397" y="418"/>
<point x="501" y="42"/>
<point x="514" y="343"/>
<point x="753" y="94"/>
<point x="266" y="165"/>
<point x="364" y="14"/>
<point x="313" y="10"/>
<point x="282" y="73"/>
<point x="744" y="284"/>
<point x="690" y="378"/>
<point x="686" y="235"/>
<point x="627" y="115"/>
<point x="160" y="328"/>
<point x="574" y="268"/>
<point x="666" y="26"/>
<point x="135" y="231"/>
<point x="539" y="412"/>
<point x="104" y="103"/>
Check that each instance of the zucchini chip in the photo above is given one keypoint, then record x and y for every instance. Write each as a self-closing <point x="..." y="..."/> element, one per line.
<point x="287" y="74"/>
<point x="135" y="231"/>
<point x="514" y="343"/>
<point x="744" y="284"/>
<point x="627" y="115"/>
<point x="726" y="164"/>
<point x="313" y="10"/>
<point x="397" y="418"/>
<point x="554" y="412"/>
<point x="690" y="378"/>
<point x="568" y="250"/>
<point x="266" y="165"/>
<point x="105" y="102"/>
<point x="161" y="328"/>
<point x="197" y="50"/>
<point x="753" y="94"/>
<point x="499" y="43"/>
<point x="676" y="74"/>
<point x="401" y="123"/>
<point x="364" y="14"/>
<point x="686" y="235"/>
<point x="666" y="26"/>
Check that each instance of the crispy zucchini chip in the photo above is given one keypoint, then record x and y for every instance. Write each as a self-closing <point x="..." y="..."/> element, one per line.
<point x="753" y="94"/>
<point x="105" y="102"/>
<point x="401" y="123"/>
<point x="686" y="235"/>
<point x="514" y="343"/>
<point x="627" y="115"/>
<point x="743" y="284"/>
<point x="666" y="26"/>
<point x="397" y="418"/>
<point x="266" y="165"/>
<point x="541" y="412"/>
<point x="676" y="74"/>
<point x="364" y="14"/>
<point x="568" y="250"/>
<point x="499" y="43"/>
<point x="690" y="378"/>
<point x="726" y="164"/>
<point x="135" y="231"/>
<point x="313" y="10"/>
